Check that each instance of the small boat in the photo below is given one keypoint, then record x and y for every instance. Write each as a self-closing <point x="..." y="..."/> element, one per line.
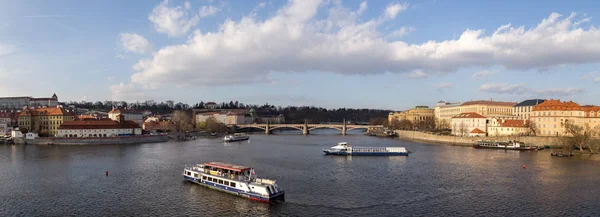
<point x="236" y="137"/>
<point x="234" y="179"/>
<point x="508" y="145"/>
<point x="343" y="148"/>
<point x="561" y="154"/>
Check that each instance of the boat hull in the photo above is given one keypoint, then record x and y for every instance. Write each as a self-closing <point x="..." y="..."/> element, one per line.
<point x="277" y="197"/>
<point x="236" y="140"/>
<point x="506" y="148"/>
<point x="366" y="153"/>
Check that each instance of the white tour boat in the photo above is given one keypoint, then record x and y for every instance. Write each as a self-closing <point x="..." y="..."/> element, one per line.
<point x="234" y="179"/>
<point x="236" y="137"/>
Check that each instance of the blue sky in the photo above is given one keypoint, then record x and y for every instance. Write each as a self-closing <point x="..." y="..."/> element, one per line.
<point x="361" y="54"/>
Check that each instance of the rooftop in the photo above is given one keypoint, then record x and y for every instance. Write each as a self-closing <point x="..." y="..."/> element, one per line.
<point x="477" y="131"/>
<point x="45" y="112"/>
<point x="98" y="124"/>
<point x="530" y="102"/>
<point x="124" y="111"/>
<point x="513" y="123"/>
<point x="553" y="104"/>
<point x="227" y="166"/>
<point x="469" y="115"/>
<point x="490" y="102"/>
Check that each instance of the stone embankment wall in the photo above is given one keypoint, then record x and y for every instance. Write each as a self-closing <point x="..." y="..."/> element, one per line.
<point x="92" y="141"/>
<point x="455" y="140"/>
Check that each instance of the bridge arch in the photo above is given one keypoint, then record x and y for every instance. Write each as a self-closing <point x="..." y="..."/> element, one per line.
<point x="325" y="127"/>
<point x="285" y="127"/>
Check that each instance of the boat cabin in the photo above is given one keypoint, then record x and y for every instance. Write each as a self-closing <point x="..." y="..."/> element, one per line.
<point x="235" y="172"/>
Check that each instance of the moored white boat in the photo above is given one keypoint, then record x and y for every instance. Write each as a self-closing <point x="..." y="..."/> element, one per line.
<point x="236" y="137"/>
<point x="343" y="148"/>
<point x="508" y="145"/>
<point x="234" y="179"/>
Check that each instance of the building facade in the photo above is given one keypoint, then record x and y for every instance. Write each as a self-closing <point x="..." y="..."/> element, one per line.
<point x="488" y="108"/>
<point x="523" y="109"/>
<point x="549" y="118"/>
<point x="503" y="127"/>
<point x="469" y="124"/>
<point x="20" y="102"/>
<point x="414" y="115"/>
<point x="98" y="128"/>
<point x="45" y="121"/>
<point x="129" y="115"/>
<point x="443" y="112"/>
<point x="161" y="125"/>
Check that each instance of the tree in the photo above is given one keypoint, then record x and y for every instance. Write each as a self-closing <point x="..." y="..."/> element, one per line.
<point x="463" y="129"/>
<point x="182" y="120"/>
<point x="215" y="126"/>
<point x="405" y="124"/>
<point x="24" y="130"/>
<point x="576" y="135"/>
<point x="443" y="124"/>
<point x="377" y="121"/>
<point x="532" y="127"/>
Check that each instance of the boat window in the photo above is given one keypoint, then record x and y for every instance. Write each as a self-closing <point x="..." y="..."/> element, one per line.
<point x="210" y="179"/>
<point x="226" y="183"/>
<point x="220" y="181"/>
<point x="189" y="173"/>
<point x="204" y="177"/>
<point x="196" y="175"/>
<point x="232" y="184"/>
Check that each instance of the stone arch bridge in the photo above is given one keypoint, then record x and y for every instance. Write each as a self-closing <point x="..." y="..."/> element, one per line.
<point x="306" y="128"/>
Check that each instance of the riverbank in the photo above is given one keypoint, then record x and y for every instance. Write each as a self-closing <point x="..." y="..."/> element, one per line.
<point x="468" y="141"/>
<point x="92" y="140"/>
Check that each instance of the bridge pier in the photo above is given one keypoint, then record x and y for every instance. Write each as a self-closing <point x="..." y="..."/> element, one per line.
<point x="344" y="129"/>
<point x="305" y="129"/>
<point x="268" y="129"/>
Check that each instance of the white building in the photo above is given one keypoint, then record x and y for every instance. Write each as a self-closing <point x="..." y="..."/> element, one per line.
<point x="98" y="128"/>
<point x="129" y="115"/>
<point x="503" y="127"/>
<point x="20" y="102"/>
<point x="31" y="135"/>
<point x="469" y="124"/>
<point x="15" y="133"/>
<point x="227" y="117"/>
<point x="443" y="113"/>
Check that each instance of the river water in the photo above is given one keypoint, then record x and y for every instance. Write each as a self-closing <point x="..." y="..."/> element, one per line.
<point x="435" y="180"/>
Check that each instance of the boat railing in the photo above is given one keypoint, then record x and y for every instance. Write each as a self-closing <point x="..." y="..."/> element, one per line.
<point x="265" y="181"/>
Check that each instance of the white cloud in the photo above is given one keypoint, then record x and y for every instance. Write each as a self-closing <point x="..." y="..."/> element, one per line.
<point x="206" y="11"/>
<point x="418" y="74"/>
<point x="392" y="10"/>
<point x="520" y="89"/>
<point x="442" y="86"/>
<point x="588" y="75"/>
<point x="126" y="92"/>
<point x="362" y="8"/>
<point x="6" y="49"/>
<point x="135" y="43"/>
<point x="174" y="21"/>
<point x="295" y="40"/>
<point x="482" y="74"/>
<point x="597" y="79"/>
<point x="401" y="32"/>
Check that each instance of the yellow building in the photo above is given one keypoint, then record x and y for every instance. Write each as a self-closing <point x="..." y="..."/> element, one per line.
<point x="415" y="115"/>
<point x="488" y="108"/>
<point x="443" y="112"/>
<point x="550" y="117"/>
<point x="44" y="121"/>
<point x="503" y="127"/>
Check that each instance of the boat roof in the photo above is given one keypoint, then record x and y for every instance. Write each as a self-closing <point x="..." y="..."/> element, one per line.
<point x="227" y="166"/>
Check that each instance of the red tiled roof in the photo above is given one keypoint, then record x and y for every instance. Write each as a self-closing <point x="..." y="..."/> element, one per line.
<point x="486" y="102"/>
<point x="469" y="115"/>
<point x="477" y="131"/>
<point x="45" y="112"/>
<point x="513" y="123"/>
<point x="98" y="124"/>
<point x="556" y="105"/>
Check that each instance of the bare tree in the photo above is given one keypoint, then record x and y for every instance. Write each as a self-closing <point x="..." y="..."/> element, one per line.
<point x="532" y="127"/>
<point x="182" y="120"/>
<point x="463" y="129"/>
<point x="577" y="135"/>
<point x="443" y="124"/>
<point x="215" y="126"/>
<point x="405" y="124"/>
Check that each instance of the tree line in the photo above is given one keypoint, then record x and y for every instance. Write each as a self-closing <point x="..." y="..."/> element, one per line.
<point x="292" y="114"/>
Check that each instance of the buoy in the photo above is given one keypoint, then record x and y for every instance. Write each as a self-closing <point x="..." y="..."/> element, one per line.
<point x="106" y="173"/>
<point x="524" y="166"/>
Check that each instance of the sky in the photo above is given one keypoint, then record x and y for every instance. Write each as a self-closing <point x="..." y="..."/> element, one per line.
<point x="358" y="54"/>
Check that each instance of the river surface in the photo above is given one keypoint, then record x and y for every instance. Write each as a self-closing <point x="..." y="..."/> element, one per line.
<point x="435" y="180"/>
